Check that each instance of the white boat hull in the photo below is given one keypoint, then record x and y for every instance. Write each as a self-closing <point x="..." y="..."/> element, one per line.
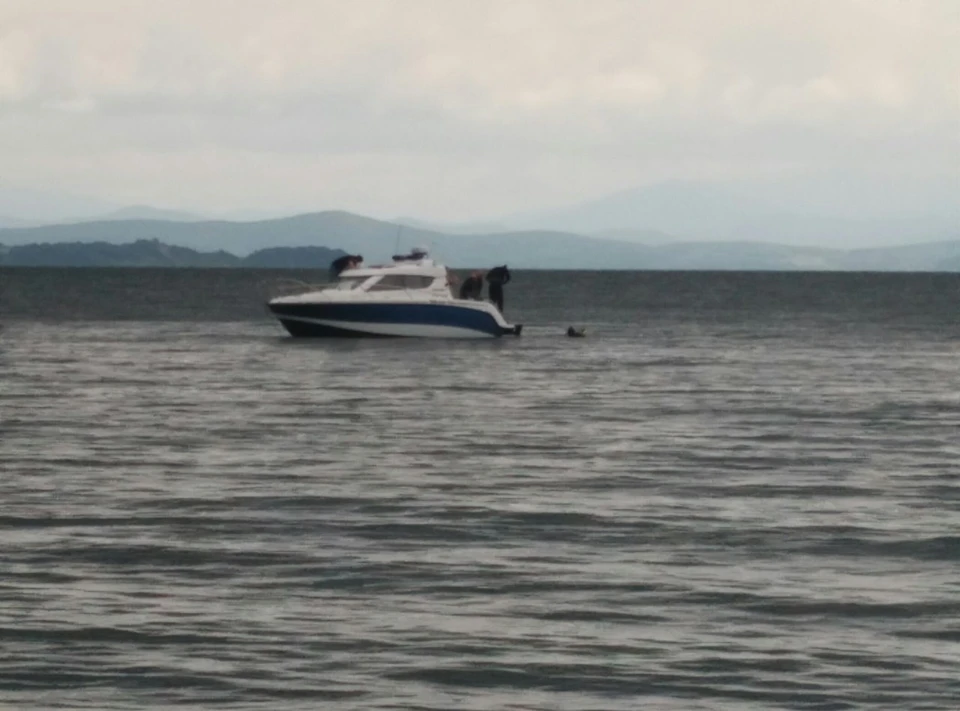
<point x="464" y="319"/>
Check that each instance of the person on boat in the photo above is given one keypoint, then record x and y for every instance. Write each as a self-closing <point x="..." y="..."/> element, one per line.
<point x="472" y="287"/>
<point x="496" y="278"/>
<point x="452" y="281"/>
<point x="347" y="261"/>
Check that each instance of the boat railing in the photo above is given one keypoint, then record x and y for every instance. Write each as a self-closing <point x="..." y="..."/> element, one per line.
<point x="289" y="287"/>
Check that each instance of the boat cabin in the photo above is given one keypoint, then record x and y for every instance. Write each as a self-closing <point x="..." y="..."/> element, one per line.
<point x="386" y="280"/>
<point x="414" y="272"/>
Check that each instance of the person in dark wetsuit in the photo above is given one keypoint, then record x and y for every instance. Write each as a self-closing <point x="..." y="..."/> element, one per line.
<point x="496" y="278"/>
<point x="472" y="287"/>
<point x="347" y="261"/>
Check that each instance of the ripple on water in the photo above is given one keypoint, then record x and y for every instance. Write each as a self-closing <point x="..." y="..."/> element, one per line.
<point x="679" y="514"/>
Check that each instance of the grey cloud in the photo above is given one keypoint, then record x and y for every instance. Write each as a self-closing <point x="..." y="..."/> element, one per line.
<point x="375" y="103"/>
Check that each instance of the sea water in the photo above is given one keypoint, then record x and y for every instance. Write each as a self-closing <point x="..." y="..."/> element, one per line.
<point x="739" y="491"/>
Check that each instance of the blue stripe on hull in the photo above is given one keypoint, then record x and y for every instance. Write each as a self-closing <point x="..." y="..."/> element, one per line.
<point x="414" y="314"/>
<point x="305" y="329"/>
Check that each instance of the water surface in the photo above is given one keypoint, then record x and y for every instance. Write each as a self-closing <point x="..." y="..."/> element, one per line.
<point x="739" y="492"/>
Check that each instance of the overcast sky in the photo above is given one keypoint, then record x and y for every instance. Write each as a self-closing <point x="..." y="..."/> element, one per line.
<point x="465" y="109"/>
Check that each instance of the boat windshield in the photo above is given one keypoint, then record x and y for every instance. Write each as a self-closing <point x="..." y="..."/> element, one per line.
<point x="396" y="282"/>
<point x="348" y="283"/>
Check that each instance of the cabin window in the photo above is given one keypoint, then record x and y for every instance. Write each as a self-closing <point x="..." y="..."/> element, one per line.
<point x="395" y="282"/>
<point x="417" y="282"/>
<point x="348" y="283"/>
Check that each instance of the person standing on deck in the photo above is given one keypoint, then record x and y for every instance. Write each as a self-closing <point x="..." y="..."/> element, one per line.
<point x="472" y="287"/>
<point x="496" y="278"/>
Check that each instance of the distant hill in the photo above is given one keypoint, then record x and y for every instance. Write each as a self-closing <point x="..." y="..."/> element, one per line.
<point x="145" y="212"/>
<point x="329" y="229"/>
<point x="701" y="211"/>
<point x="694" y="210"/>
<point x="808" y="209"/>
<point x="134" y="212"/>
<point x="315" y="239"/>
<point x="153" y="253"/>
<point x="292" y="258"/>
<point x="6" y="221"/>
<point x="914" y="257"/>
<point x="48" y="206"/>
<point x="452" y="228"/>
<point x="640" y="236"/>
<point x="142" y="253"/>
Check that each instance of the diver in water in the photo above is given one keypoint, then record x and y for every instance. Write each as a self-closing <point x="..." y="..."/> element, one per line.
<point x="472" y="287"/>
<point x="496" y="278"/>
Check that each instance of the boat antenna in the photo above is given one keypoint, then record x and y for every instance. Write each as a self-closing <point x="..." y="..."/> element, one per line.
<point x="396" y="246"/>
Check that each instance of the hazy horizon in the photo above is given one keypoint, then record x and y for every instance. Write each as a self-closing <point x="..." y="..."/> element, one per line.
<point x="457" y="112"/>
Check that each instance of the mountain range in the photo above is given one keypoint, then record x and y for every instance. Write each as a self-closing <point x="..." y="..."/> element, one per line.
<point x="823" y="210"/>
<point x="697" y="212"/>
<point x="670" y="225"/>
<point x="153" y="253"/>
<point x="120" y="242"/>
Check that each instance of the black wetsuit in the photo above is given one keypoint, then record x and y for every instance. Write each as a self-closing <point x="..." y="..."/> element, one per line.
<point x="341" y="263"/>
<point x="496" y="278"/>
<point x="472" y="288"/>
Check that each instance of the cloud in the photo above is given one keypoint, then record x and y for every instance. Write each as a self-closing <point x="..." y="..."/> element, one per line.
<point x="416" y="102"/>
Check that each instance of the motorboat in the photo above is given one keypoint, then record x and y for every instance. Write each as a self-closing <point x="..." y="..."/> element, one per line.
<point x="411" y="297"/>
